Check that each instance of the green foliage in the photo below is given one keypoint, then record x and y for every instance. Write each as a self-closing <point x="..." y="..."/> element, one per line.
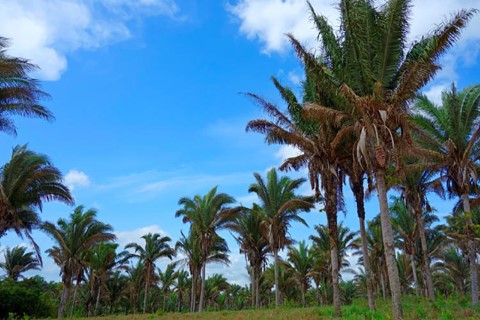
<point x="28" y="298"/>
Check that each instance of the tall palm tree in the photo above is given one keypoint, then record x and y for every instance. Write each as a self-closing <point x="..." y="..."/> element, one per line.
<point x="367" y="64"/>
<point x="18" y="261"/>
<point x="253" y="245"/>
<point x="452" y="132"/>
<point x="156" y="247"/>
<point x="19" y="93"/>
<point x="301" y="260"/>
<point x="27" y="181"/>
<point x="314" y="140"/>
<point x="73" y="238"/>
<point x="281" y="207"/>
<point x="207" y="215"/>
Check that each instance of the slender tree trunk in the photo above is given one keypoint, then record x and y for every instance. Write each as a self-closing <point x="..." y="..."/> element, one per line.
<point x="97" y="303"/>
<point x="303" y="295"/>
<point x="472" y="250"/>
<point x="414" y="272"/>
<point x="257" y="288"/>
<point x="64" y="300"/>
<point x="426" y="258"/>
<point x="193" y="294"/>
<point x="331" y="210"/>
<point x="202" y="289"/>
<point x="277" y="291"/>
<point x="357" y="188"/>
<point x="74" y="299"/>
<point x="387" y="234"/>
<point x="147" y="283"/>
<point x="252" y="285"/>
<point x="382" y="283"/>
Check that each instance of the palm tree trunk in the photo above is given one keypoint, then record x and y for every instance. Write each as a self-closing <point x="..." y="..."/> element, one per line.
<point x="252" y="286"/>
<point x="97" y="303"/>
<point x="331" y="210"/>
<point x="193" y="293"/>
<point x="202" y="289"/>
<point x="382" y="283"/>
<point x="63" y="300"/>
<point x="426" y="258"/>
<point x="357" y="188"/>
<point x="414" y="272"/>
<point x="74" y="299"/>
<point x="147" y="285"/>
<point x="387" y="234"/>
<point x="472" y="250"/>
<point x="277" y="291"/>
<point x="303" y="295"/>
<point x="257" y="287"/>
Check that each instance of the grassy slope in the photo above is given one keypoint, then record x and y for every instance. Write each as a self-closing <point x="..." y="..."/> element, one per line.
<point x="414" y="308"/>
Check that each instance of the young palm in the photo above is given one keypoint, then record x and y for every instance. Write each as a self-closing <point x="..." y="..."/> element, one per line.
<point x="281" y="207"/>
<point x="18" y="261"/>
<point x="207" y="215"/>
<point x="368" y="65"/>
<point x="301" y="260"/>
<point x="19" y="94"/>
<point x="156" y="247"/>
<point x="452" y="132"/>
<point x="167" y="279"/>
<point x="181" y="287"/>
<point x="253" y="245"/>
<point x="27" y="181"/>
<point x="102" y="260"/>
<point x="74" y="237"/>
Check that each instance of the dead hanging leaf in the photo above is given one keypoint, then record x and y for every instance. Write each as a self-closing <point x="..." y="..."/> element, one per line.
<point x="380" y="156"/>
<point x="383" y="115"/>
<point x="362" y="145"/>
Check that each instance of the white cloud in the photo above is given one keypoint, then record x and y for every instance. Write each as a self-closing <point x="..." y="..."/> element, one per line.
<point x="434" y="93"/>
<point x="235" y="272"/>
<point x="287" y="151"/>
<point x="46" y="31"/>
<point x="268" y="20"/>
<point x="75" y="178"/>
<point x="126" y="237"/>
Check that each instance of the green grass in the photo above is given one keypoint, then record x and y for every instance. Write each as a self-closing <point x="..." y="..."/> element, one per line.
<point x="413" y="308"/>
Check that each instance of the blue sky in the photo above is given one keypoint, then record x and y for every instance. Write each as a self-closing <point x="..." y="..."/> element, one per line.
<point x="146" y="96"/>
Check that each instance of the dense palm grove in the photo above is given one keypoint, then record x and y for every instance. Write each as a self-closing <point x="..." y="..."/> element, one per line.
<point x="360" y="122"/>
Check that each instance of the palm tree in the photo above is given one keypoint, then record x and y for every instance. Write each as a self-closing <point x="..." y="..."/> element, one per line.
<point x="301" y="260"/>
<point x="281" y="207"/>
<point x="367" y="64"/>
<point x="181" y="286"/>
<point x="27" y="181"/>
<point x="167" y="279"/>
<point x="252" y="244"/>
<point x="314" y="140"/>
<point x="136" y="281"/>
<point x="18" y="261"/>
<point x="156" y="247"/>
<point x="416" y="182"/>
<point x="207" y="215"/>
<point x="407" y="230"/>
<point x="117" y="289"/>
<point x="19" y="94"/>
<point x="102" y="260"/>
<point x="453" y="133"/>
<point x="73" y="239"/>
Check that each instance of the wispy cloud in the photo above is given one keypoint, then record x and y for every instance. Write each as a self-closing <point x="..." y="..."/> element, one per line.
<point x="129" y="236"/>
<point x="46" y="31"/>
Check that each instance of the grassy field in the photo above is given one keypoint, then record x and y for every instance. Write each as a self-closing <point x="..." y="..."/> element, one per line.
<point x="414" y="308"/>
